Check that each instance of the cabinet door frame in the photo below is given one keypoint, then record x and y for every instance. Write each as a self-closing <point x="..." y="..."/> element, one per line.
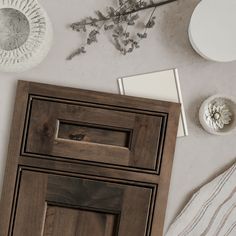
<point x="17" y="160"/>
<point x="52" y="194"/>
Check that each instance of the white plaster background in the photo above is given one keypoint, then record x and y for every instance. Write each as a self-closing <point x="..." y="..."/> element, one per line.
<point x="199" y="157"/>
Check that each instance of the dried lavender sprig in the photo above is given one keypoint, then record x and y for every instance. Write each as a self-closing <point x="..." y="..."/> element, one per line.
<point x="124" y="13"/>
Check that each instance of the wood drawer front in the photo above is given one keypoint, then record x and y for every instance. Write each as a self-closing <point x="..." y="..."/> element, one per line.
<point x="57" y="205"/>
<point x="94" y="133"/>
<point x="87" y="163"/>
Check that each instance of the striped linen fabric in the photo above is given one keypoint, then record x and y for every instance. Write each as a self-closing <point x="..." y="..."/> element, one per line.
<point x="211" y="211"/>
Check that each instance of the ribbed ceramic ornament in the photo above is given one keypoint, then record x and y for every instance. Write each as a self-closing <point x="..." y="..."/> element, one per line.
<point x="25" y="34"/>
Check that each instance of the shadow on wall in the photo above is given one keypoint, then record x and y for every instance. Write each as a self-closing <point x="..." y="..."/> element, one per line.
<point x="173" y="27"/>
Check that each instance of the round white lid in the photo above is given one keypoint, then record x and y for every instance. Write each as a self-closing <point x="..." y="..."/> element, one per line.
<point x="212" y="30"/>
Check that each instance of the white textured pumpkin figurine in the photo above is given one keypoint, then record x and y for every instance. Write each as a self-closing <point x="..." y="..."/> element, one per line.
<point x="217" y="114"/>
<point x="25" y="34"/>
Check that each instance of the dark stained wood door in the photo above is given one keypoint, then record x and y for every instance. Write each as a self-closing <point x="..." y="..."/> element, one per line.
<point x="84" y="163"/>
<point x="51" y="204"/>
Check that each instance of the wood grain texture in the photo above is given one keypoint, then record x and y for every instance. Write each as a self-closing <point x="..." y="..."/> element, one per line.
<point x="29" y="217"/>
<point x="10" y="182"/>
<point x="47" y="200"/>
<point x="119" y="186"/>
<point x="94" y="134"/>
<point x="45" y="130"/>
<point x="61" y="221"/>
<point x="84" y="193"/>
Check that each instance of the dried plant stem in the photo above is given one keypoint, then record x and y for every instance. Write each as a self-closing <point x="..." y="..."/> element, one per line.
<point x="154" y="5"/>
<point x="117" y="21"/>
<point x="152" y="13"/>
<point x="82" y="47"/>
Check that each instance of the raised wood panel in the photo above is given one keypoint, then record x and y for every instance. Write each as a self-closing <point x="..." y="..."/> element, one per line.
<point x="61" y="221"/>
<point x="91" y="133"/>
<point x="78" y="158"/>
<point x="46" y="200"/>
<point x="94" y="134"/>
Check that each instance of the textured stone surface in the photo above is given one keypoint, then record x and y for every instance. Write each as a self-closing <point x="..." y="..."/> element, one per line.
<point x="14" y="29"/>
<point x="25" y="35"/>
<point x="200" y="156"/>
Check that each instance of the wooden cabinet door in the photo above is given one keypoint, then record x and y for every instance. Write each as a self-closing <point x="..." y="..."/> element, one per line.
<point x="56" y="205"/>
<point x="84" y="163"/>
